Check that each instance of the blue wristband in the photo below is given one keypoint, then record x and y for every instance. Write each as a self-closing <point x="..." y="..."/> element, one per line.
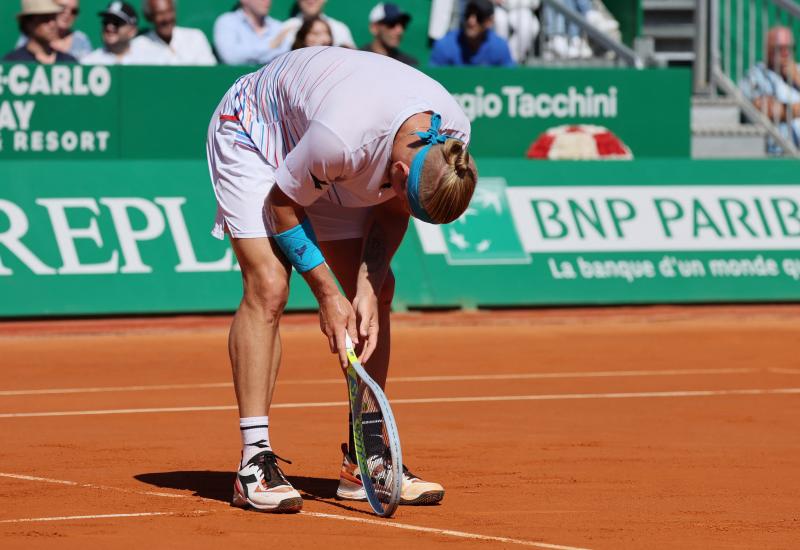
<point x="299" y="244"/>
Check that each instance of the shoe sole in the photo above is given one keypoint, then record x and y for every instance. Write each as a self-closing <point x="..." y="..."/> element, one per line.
<point x="425" y="499"/>
<point x="286" y="506"/>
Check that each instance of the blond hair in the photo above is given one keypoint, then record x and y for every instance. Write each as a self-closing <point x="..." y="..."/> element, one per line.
<point x="448" y="181"/>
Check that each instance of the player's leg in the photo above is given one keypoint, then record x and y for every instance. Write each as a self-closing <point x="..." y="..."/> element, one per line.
<point x="241" y="180"/>
<point x="254" y="347"/>
<point x="342" y="251"/>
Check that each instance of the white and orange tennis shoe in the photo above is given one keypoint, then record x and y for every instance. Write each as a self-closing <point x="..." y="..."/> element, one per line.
<point x="261" y="485"/>
<point x="414" y="491"/>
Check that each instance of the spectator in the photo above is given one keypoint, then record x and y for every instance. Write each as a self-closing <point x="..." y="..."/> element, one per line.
<point x="247" y="36"/>
<point x="168" y="44"/>
<point x="565" y="40"/>
<point x="118" y="29"/>
<point x="70" y="41"/>
<point x="313" y="8"/>
<point x="514" y="20"/>
<point x="37" y="21"/>
<point x="774" y="86"/>
<point x="387" y="24"/>
<point x="475" y="43"/>
<point x="313" y="32"/>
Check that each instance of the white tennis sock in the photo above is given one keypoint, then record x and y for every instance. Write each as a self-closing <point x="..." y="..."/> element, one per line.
<point x="255" y="436"/>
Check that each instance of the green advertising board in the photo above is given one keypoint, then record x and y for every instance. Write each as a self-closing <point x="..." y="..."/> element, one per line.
<point x="103" y="237"/>
<point x="80" y="112"/>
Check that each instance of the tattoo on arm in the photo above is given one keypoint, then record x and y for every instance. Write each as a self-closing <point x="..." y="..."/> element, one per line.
<point x="375" y="257"/>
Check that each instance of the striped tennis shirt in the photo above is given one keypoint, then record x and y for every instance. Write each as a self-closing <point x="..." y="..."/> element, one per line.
<point x="326" y="118"/>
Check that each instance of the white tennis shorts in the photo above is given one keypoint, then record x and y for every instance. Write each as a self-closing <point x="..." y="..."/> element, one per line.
<point x="242" y="179"/>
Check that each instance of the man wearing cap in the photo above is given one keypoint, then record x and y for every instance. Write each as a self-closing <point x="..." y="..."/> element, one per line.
<point x="119" y="26"/>
<point x="387" y="24"/>
<point x="169" y="44"/>
<point x="475" y="43"/>
<point x="37" y="21"/>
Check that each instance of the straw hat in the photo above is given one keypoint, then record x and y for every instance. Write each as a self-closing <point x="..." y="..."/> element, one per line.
<point x="39" y="7"/>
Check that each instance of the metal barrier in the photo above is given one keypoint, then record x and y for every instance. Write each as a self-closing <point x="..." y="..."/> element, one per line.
<point x="621" y="52"/>
<point x="732" y="42"/>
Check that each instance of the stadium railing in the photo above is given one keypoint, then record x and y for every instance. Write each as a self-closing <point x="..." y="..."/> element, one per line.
<point x="620" y="52"/>
<point x="731" y="38"/>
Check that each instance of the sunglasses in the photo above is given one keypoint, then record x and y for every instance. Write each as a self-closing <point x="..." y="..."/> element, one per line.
<point x="112" y="22"/>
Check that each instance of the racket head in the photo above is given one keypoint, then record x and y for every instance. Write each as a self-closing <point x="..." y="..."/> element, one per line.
<point x="377" y="441"/>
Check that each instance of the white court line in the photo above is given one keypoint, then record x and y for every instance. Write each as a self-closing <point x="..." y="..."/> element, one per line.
<point x="384" y="523"/>
<point x="425" y="400"/>
<point x="779" y="370"/>
<point x="401" y="379"/>
<point x="102" y="516"/>
<point x="443" y="532"/>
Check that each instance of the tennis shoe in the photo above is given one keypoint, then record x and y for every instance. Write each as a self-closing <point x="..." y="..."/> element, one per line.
<point x="261" y="485"/>
<point x="414" y="491"/>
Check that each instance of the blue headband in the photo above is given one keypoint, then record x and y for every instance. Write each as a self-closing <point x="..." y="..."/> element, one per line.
<point x="431" y="138"/>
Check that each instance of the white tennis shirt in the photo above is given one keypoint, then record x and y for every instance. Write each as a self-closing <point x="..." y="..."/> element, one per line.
<point x="326" y="118"/>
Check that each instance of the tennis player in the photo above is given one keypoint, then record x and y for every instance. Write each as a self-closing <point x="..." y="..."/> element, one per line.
<point x="317" y="160"/>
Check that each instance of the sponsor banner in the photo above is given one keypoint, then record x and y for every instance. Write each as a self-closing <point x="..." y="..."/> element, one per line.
<point x="647" y="109"/>
<point x="133" y="237"/>
<point x="79" y="112"/>
<point x="52" y="111"/>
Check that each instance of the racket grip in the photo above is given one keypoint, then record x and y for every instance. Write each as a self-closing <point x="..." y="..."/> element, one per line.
<point x="347" y="341"/>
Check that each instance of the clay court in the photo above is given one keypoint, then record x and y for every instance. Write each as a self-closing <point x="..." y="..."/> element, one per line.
<point x="665" y="427"/>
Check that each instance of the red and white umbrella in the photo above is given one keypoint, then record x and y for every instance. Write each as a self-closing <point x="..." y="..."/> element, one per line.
<point x="579" y="142"/>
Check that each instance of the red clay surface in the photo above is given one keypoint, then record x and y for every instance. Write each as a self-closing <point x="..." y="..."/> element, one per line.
<point x="670" y="427"/>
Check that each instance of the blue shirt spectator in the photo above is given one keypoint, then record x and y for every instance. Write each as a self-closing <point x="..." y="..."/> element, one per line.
<point x="475" y="43"/>
<point x="248" y="36"/>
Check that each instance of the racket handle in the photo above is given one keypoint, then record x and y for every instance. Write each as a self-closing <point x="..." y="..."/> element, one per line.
<point x="347" y="341"/>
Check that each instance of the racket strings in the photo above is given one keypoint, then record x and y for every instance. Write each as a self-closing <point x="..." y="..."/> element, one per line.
<point x="377" y="445"/>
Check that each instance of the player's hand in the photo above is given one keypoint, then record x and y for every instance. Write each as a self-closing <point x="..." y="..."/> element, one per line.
<point x="336" y="316"/>
<point x="365" y="305"/>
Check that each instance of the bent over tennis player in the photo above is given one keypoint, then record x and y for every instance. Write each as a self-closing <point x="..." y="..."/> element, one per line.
<point x="317" y="161"/>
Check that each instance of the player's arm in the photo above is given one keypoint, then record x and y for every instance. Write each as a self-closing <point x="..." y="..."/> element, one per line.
<point x="384" y="232"/>
<point x="318" y="157"/>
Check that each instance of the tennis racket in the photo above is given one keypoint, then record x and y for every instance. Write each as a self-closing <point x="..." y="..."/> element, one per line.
<point x="377" y="442"/>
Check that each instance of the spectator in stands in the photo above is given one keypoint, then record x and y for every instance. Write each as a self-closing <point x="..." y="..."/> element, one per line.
<point x="514" y="20"/>
<point x="70" y="41"/>
<point x="37" y="22"/>
<point x="313" y="8"/>
<point x="774" y="86"/>
<point x="119" y="26"/>
<point x="565" y="40"/>
<point x="475" y="43"/>
<point x="247" y="35"/>
<point x="313" y="32"/>
<point x="387" y="24"/>
<point x="169" y="44"/>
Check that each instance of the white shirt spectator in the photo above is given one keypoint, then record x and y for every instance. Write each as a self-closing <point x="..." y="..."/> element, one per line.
<point x="188" y="47"/>
<point x="339" y="31"/>
<point x="102" y="56"/>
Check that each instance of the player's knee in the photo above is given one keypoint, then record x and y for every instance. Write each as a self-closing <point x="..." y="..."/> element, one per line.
<point x="387" y="290"/>
<point x="267" y="291"/>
